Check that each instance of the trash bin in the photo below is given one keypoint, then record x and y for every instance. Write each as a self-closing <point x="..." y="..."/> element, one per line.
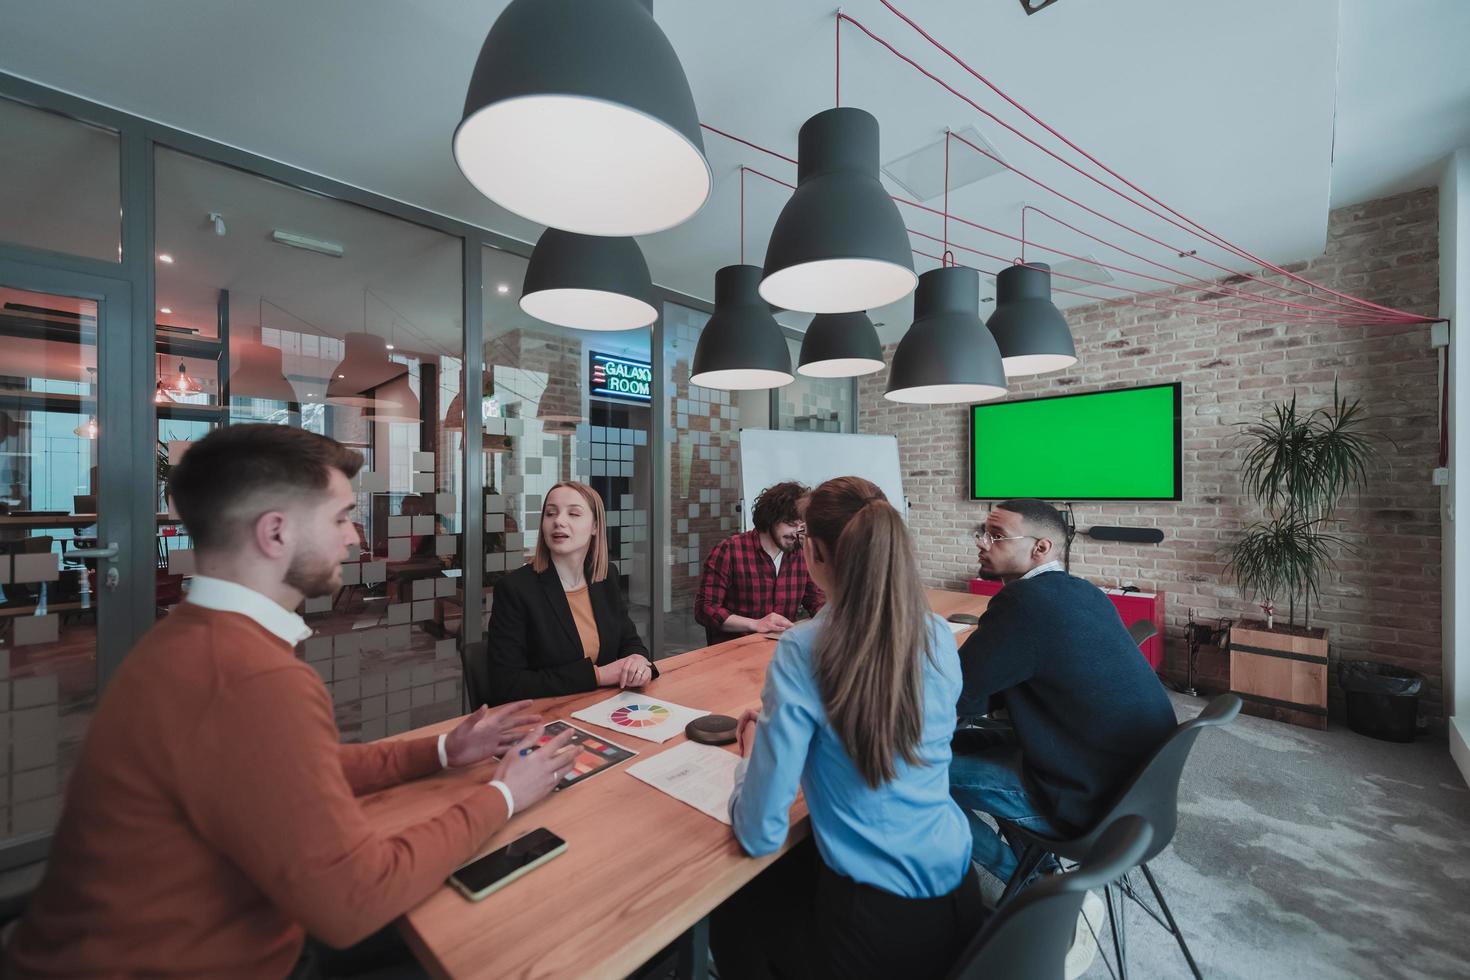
<point x="1382" y="700"/>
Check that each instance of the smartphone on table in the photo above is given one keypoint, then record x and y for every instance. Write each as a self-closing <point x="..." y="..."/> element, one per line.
<point x="495" y="870"/>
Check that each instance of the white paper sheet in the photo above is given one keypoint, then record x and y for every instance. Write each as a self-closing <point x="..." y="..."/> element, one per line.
<point x="648" y="718"/>
<point x="702" y="776"/>
<point x="958" y="628"/>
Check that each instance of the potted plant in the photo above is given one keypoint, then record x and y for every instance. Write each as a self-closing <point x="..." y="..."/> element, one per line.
<point x="1299" y="466"/>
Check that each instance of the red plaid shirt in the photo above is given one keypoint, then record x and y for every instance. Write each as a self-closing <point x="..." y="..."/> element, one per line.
<point x="740" y="579"/>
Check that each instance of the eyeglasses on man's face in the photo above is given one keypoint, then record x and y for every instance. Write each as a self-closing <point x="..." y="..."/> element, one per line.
<point x="985" y="539"/>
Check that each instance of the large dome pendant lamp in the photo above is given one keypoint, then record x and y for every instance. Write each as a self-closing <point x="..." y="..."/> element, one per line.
<point x="839" y="244"/>
<point x="742" y="347"/>
<point x="947" y="356"/>
<point x="840" y="345"/>
<point x="588" y="283"/>
<point x="579" y="116"/>
<point x="1032" y="333"/>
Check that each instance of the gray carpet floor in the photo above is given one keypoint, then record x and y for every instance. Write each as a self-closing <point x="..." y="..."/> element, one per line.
<point x="1307" y="854"/>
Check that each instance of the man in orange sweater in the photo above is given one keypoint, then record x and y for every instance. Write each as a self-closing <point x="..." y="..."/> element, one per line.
<point x="211" y="820"/>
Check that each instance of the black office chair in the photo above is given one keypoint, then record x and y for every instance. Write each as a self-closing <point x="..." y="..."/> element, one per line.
<point x="475" y="663"/>
<point x="1142" y="631"/>
<point x="1028" y="939"/>
<point x="1152" y="794"/>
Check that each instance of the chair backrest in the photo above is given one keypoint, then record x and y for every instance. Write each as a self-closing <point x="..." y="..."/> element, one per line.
<point x="475" y="662"/>
<point x="1142" y="631"/>
<point x="1028" y="937"/>
<point x="1153" y="793"/>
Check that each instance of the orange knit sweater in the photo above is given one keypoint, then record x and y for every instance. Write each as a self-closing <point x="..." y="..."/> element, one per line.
<point x="210" y="820"/>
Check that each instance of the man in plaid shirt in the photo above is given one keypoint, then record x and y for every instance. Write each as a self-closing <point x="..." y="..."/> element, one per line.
<point x="756" y="581"/>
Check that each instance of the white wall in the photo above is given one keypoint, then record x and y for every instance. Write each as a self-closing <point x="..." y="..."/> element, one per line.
<point x="1454" y="303"/>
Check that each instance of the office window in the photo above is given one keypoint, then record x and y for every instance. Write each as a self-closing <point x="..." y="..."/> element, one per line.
<point x="59" y="184"/>
<point x="557" y="405"/>
<point x="290" y="308"/>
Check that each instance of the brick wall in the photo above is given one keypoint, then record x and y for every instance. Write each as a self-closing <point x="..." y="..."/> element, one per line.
<point x="1381" y="602"/>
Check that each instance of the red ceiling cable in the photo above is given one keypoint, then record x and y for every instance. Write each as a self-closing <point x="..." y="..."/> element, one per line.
<point x="1212" y="311"/>
<point x="1202" y="232"/>
<point x="1346" y="316"/>
<point x="1205" y="284"/>
<point x="1224" y="314"/>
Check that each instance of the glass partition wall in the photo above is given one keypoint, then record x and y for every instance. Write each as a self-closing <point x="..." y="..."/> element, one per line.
<point x="547" y="416"/>
<point x="203" y="286"/>
<point x="283" y="307"/>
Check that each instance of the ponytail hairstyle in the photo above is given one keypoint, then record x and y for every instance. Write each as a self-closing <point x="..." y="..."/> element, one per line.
<point x="868" y="659"/>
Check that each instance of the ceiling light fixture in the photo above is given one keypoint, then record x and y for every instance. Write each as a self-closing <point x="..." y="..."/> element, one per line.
<point x="183" y="384"/>
<point x="502" y="289"/>
<point x="1032" y="333"/>
<point x="742" y="347"/>
<point x="396" y="402"/>
<point x="165" y="258"/>
<point x="364" y="367"/>
<point x="319" y="245"/>
<point x="257" y="373"/>
<point x="579" y="116"/>
<point x="840" y="345"/>
<point x="164" y="309"/>
<point x="588" y="283"/>
<point x="947" y="356"/>
<point x="839" y="244"/>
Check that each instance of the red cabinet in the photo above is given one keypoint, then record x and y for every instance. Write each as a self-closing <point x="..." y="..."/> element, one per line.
<point x="1131" y="606"/>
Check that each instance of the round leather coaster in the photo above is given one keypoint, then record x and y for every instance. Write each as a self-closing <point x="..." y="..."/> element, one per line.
<point x="711" y="730"/>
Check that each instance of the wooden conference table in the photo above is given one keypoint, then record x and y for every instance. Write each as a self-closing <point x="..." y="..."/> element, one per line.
<point x="640" y="868"/>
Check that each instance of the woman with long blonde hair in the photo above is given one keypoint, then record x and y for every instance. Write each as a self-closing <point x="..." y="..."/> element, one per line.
<point x="858" y="711"/>
<point x="560" y="625"/>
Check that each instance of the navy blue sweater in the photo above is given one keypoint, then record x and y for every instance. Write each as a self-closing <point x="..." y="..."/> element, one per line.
<point x="1087" y="708"/>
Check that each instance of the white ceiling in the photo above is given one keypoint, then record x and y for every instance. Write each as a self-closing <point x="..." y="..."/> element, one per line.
<point x="1224" y="112"/>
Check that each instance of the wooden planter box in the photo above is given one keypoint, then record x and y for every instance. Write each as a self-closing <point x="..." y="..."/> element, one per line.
<point x="1280" y="673"/>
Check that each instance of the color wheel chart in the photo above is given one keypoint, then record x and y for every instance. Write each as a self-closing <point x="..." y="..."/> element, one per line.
<point x="640" y="715"/>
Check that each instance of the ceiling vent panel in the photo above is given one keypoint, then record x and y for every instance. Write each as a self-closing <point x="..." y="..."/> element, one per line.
<point x="921" y="171"/>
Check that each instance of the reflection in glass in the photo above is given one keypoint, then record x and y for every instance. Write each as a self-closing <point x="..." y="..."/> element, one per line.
<point x="365" y="345"/>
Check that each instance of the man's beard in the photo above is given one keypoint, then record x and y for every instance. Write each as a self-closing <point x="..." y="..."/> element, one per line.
<point x="791" y="548"/>
<point x="312" y="578"/>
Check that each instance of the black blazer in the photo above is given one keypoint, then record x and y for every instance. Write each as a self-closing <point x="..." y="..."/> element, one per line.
<point x="532" y="643"/>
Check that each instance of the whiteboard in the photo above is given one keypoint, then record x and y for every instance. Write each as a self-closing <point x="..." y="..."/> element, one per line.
<point x="769" y="456"/>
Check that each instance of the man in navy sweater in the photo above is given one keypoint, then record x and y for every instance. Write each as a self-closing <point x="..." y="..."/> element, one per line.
<point x="1086" y="706"/>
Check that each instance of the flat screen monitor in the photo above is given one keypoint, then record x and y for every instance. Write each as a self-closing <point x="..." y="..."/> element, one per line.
<point x="1123" y="444"/>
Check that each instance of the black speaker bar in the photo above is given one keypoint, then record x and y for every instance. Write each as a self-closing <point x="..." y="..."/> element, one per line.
<point x="1132" y="535"/>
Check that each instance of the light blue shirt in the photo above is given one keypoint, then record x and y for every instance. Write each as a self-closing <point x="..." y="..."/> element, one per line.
<point x="908" y="837"/>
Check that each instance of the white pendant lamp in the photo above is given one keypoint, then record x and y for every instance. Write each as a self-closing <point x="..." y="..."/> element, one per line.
<point x="948" y="356"/>
<point x="364" y="367"/>
<point x="257" y="373"/>
<point x="839" y="244"/>
<point x="579" y="116"/>
<point x="587" y="282"/>
<point x="395" y="402"/>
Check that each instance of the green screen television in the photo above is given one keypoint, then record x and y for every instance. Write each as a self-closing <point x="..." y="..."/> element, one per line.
<point x="1123" y="444"/>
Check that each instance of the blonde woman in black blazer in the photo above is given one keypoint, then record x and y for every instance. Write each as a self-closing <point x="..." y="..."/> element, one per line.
<point x="560" y="625"/>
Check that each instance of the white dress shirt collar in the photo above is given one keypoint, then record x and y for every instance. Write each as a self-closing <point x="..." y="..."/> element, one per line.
<point x="1051" y="566"/>
<point x="225" y="596"/>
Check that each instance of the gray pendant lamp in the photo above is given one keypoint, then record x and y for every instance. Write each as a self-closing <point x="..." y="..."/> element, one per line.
<point x="256" y="373"/>
<point x="839" y="244"/>
<point x="588" y="283"/>
<point x="947" y="356"/>
<point x="579" y="116"/>
<point x="840" y="345"/>
<point x="742" y="347"/>
<point x="1032" y="333"/>
<point x="364" y="367"/>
